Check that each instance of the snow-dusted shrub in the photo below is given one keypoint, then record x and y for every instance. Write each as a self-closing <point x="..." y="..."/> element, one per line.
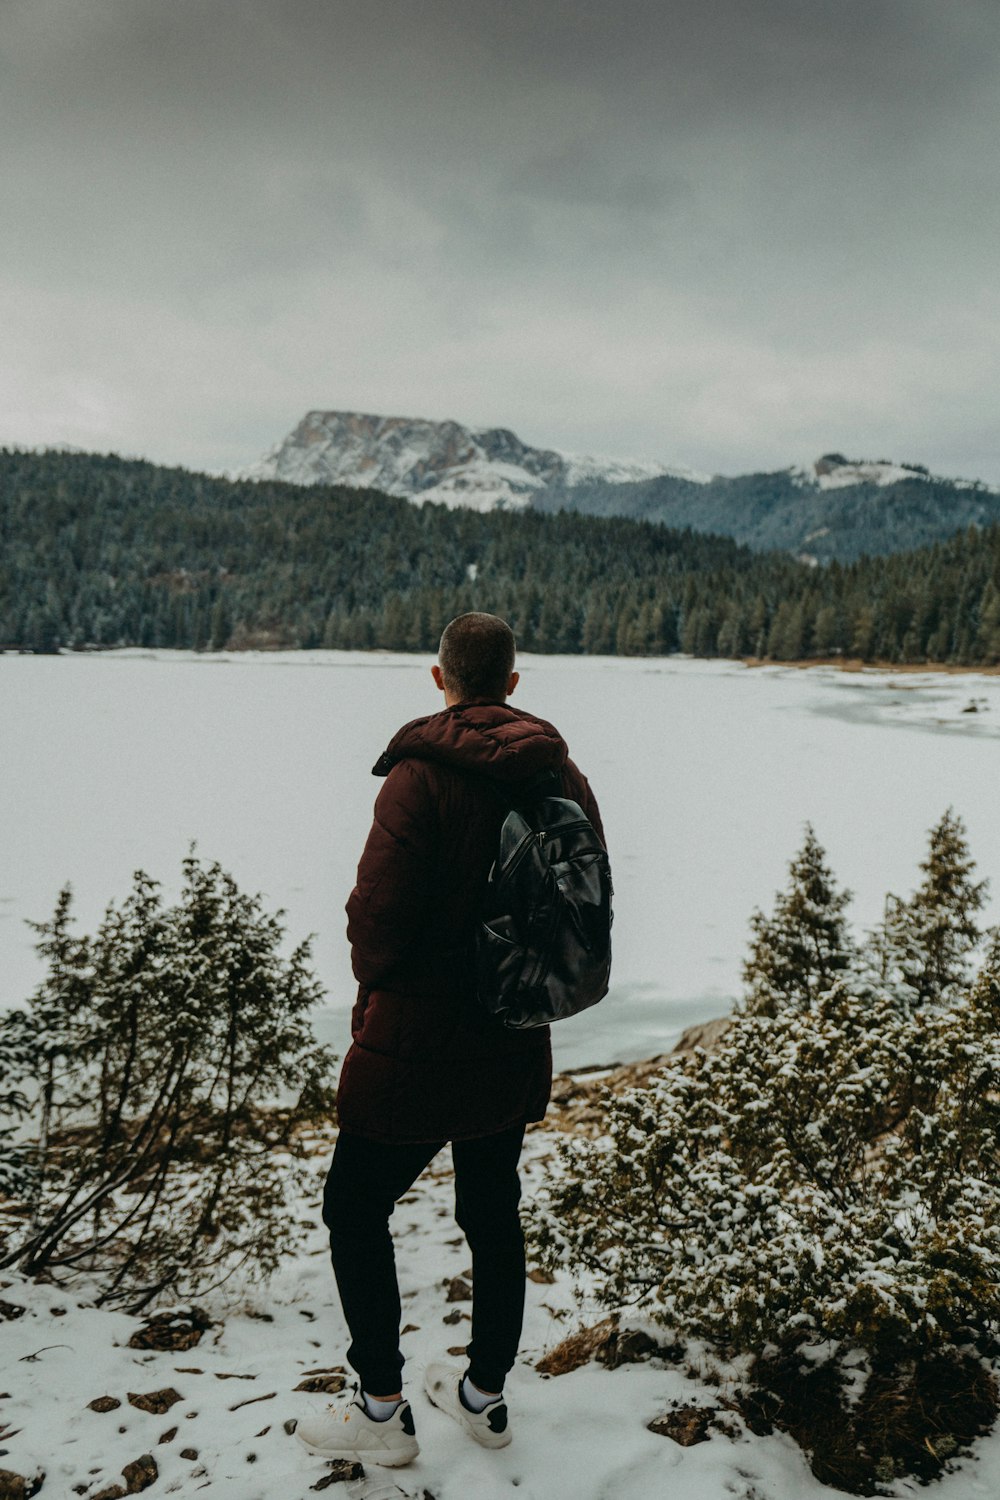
<point x="829" y="1175"/>
<point x="143" y="1147"/>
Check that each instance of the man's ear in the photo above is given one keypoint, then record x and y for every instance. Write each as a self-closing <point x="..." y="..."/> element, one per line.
<point x="436" y="674"/>
<point x="515" y="678"/>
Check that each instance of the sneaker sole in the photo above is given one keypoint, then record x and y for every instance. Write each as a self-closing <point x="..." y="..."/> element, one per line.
<point x="385" y="1458"/>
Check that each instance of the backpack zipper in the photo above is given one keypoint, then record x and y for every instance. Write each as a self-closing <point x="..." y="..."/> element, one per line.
<point x="536" y="835"/>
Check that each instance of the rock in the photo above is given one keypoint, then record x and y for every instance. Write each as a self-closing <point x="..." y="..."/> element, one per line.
<point x="459" y="1290"/>
<point x="410" y="1328"/>
<point x="140" y="1474"/>
<point x="457" y="1349"/>
<point x="168" y="1436"/>
<point x="104" y="1403"/>
<point x="329" y="1385"/>
<point x="157" y="1402"/>
<point x="687" y="1425"/>
<point x="578" y="1099"/>
<point x="110" y="1492"/>
<point x="172" y="1330"/>
<point x="341" y="1471"/>
<point x="11" y="1310"/>
<point x="190" y="1453"/>
<point x="542" y="1278"/>
<point x="290" y="1425"/>
<point x="707" y="1034"/>
<point x="455" y="1316"/>
<point x="19" y="1486"/>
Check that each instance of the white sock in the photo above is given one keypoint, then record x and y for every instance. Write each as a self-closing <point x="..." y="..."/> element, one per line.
<point x="475" y="1399"/>
<point x="380" y="1408"/>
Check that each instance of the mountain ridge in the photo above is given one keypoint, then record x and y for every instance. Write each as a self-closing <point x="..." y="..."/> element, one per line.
<point x="417" y="458"/>
<point x="838" y="508"/>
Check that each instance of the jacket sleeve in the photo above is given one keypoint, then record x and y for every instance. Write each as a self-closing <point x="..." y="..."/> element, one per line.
<point x="579" y="789"/>
<point x="388" y="906"/>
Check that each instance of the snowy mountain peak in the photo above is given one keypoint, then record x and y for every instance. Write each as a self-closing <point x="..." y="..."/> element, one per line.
<point x="833" y="472"/>
<point x="419" y="459"/>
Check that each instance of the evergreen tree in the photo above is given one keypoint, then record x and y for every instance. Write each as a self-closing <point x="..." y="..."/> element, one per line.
<point x="141" y="1074"/>
<point x="988" y="631"/>
<point x="926" y="944"/>
<point x="805" y="946"/>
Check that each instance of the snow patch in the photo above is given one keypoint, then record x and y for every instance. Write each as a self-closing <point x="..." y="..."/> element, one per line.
<point x="834" y="472"/>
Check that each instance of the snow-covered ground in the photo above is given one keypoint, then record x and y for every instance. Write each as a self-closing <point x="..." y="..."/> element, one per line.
<point x="579" y="1436"/>
<point x="706" y="773"/>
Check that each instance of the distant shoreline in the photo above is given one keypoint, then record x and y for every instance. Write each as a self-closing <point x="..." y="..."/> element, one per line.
<point x="856" y="664"/>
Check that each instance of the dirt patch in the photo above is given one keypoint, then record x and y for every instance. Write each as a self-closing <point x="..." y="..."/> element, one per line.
<point x="104" y="1403"/>
<point x="341" y="1471"/>
<point x="687" y="1425"/>
<point x="606" y="1343"/>
<point x="908" y="1421"/>
<point x="18" y="1486"/>
<point x="141" y="1474"/>
<point x="172" y="1330"/>
<point x="327" y="1385"/>
<point x="157" y="1402"/>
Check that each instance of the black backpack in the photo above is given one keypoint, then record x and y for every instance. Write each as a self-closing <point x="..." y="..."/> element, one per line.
<point x="544" y="941"/>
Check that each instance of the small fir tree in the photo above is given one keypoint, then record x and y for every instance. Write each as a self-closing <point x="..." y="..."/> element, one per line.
<point x="146" y="1072"/>
<point x="798" y="953"/>
<point x="926" y="945"/>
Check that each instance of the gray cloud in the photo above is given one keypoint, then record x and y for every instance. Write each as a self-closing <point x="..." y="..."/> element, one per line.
<point x="725" y="232"/>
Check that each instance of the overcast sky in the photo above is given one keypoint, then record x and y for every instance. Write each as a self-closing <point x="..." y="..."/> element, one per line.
<point x="726" y="233"/>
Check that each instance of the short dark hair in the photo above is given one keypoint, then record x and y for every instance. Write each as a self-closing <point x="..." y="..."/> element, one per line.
<point x="476" y="656"/>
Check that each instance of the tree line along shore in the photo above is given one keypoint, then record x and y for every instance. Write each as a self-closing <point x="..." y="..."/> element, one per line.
<point x="100" y="551"/>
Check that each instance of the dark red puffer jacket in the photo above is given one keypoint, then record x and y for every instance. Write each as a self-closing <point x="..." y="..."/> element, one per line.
<point x="426" y="1063"/>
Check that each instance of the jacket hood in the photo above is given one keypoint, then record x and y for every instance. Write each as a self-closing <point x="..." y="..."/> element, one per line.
<point x="489" y="739"/>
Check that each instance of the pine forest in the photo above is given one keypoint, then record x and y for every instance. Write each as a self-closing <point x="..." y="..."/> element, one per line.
<point x="99" y="551"/>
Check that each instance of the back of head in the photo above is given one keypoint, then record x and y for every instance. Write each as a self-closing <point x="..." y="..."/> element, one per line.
<point x="476" y="656"/>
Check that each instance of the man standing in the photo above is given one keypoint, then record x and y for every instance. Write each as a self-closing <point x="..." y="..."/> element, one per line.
<point x="428" y="1065"/>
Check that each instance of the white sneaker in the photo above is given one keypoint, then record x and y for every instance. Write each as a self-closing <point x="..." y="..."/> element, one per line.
<point x="349" y="1432"/>
<point x="490" y="1428"/>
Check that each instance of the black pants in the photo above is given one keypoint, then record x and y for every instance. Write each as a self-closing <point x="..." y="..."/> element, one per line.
<point x="364" y="1182"/>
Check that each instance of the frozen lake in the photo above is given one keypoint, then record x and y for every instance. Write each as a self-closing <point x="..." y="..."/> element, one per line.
<point x="705" y="771"/>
